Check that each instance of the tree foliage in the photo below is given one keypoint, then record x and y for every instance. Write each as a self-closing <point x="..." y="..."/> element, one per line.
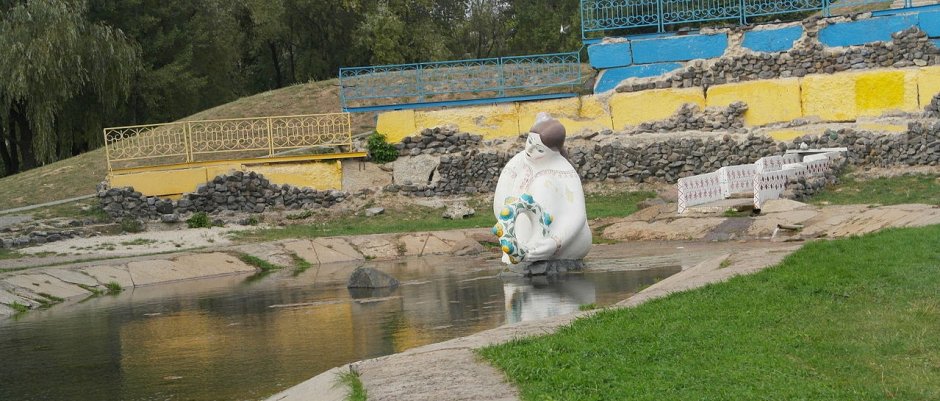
<point x="68" y="67"/>
<point x="56" y="66"/>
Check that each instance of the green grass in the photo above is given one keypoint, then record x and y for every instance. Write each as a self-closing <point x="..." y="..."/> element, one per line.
<point x="113" y="288"/>
<point x="420" y="218"/>
<point x="139" y="241"/>
<point x="590" y="306"/>
<point x="850" y="319"/>
<point x="884" y="191"/>
<point x="255" y="261"/>
<point x="19" y="308"/>
<point x="354" y="388"/>
<point x="614" y="205"/>
<point x="300" y="264"/>
<point x="10" y="254"/>
<point x="416" y="218"/>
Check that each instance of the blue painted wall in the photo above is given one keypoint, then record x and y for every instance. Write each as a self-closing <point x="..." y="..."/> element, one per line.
<point x="865" y="31"/>
<point x="607" y="55"/>
<point x="610" y="78"/>
<point x="679" y="48"/>
<point x="772" y="41"/>
<point x="930" y="23"/>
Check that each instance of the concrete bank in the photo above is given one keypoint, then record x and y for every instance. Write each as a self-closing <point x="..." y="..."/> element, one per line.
<point x="34" y="287"/>
<point x="451" y="370"/>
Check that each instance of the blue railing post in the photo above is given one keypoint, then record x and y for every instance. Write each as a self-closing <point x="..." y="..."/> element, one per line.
<point x="583" y="33"/>
<point x="342" y="90"/>
<point x="502" y="77"/>
<point x="826" y="11"/>
<point x="742" y="12"/>
<point x="659" y="16"/>
<point x="908" y="4"/>
<point x="419" y="87"/>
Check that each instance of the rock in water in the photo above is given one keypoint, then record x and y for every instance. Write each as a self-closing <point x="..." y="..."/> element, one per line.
<point x="367" y="277"/>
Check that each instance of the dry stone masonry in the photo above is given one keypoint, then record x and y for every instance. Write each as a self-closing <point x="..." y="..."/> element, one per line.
<point x="907" y="48"/>
<point x="440" y="140"/>
<point x="666" y="161"/>
<point x="241" y="192"/>
<point x="690" y="117"/>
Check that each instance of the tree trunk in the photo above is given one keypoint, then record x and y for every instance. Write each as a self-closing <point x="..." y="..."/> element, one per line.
<point x="9" y="158"/>
<point x="278" y="79"/>
<point x="25" y="136"/>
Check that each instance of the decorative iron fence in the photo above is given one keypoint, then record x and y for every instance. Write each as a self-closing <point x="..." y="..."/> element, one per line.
<point x="605" y="15"/>
<point x="386" y="85"/>
<point x="194" y="141"/>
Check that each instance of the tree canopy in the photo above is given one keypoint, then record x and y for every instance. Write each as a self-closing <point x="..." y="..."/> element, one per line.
<point x="70" y="67"/>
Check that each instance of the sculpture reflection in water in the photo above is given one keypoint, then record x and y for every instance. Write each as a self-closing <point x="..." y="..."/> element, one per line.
<point x="546" y="296"/>
<point x="539" y="204"/>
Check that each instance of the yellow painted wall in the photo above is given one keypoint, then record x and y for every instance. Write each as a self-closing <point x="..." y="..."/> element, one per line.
<point x="396" y="124"/>
<point x="846" y="96"/>
<point x="768" y="101"/>
<point x="493" y="121"/>
<point x="317" y="175"/>
<point x="928" y="84"/>
<point x="785" y="135"/>
<point x="831" y="97"/>
<point x="877" y="92"/>
<point x="629" y="109"/>
<point x="157" y="183"/>
<point x="170" y="183"/>
<point x="586" y="113"/>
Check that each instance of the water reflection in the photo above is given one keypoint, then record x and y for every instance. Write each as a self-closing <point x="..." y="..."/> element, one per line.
<point x="233" y="338"/>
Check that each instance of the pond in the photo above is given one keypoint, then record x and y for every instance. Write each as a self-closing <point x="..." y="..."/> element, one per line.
<point x="246" y="338"/>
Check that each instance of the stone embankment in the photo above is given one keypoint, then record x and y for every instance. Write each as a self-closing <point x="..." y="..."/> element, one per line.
<point x="243" y="192"/>
<point x="907" y="48"/>
<point x="662" y="158"/>
<point x="36" y="287"/>
<point x="439" y="371"/>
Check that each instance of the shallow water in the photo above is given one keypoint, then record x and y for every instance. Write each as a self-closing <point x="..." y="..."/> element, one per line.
<point x="241" y="337"/>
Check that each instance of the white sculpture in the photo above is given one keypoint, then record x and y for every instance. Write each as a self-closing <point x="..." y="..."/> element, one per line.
<point x="539" y="202"/>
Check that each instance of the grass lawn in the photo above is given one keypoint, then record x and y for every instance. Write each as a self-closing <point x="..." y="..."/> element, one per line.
<point x="420" y="218"/>
<point x="849" y="319"/>
<point x="885" y="191"/>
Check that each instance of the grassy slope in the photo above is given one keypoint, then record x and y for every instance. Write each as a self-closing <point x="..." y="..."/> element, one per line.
<point x="415" y="218"/>
<point x="852" y="319"/>
<point x="78" y="175"/>
<point x="884" y="191"/>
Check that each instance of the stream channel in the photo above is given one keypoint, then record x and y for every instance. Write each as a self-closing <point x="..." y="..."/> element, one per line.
<point x="248" y="337"/>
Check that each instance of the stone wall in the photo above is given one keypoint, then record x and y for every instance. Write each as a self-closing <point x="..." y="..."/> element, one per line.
<point x="666" y="161"/>
<point x="907" y="48"/>
<point x="241" y="192"/>
<point x="439" y="140"/>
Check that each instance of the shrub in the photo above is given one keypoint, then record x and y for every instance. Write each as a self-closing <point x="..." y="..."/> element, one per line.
<point x="199" y="220"/>
<point x="131" y="225"/>
<point x="380" y="150"/>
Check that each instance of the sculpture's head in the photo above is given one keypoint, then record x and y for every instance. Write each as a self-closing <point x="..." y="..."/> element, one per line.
<point x="545" y="136"/>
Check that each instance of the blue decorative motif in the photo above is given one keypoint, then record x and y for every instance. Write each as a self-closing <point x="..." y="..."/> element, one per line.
<point x="527" y="198"/>
<point x="603" y="15"/>
<point x="474" y="79"/>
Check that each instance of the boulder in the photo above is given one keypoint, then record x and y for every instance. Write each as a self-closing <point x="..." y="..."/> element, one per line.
<point x="456" y="211"/>
<point x="367" y="277"/>
<point x="466" y="247"/>
<point x="415" y="169"/>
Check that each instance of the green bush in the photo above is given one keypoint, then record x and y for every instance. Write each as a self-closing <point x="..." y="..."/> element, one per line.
<point x="380" y="150"/>
<point x="131" y="225"/>
<point x="199" y="220"/>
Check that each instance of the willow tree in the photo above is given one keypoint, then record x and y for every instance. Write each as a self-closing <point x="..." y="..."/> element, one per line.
<point x="56" y="69"/>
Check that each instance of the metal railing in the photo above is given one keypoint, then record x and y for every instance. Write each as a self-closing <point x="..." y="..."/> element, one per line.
<point x="456" y="80"/>
<point x="204" y="140"/>
<point x="605" y="15"/>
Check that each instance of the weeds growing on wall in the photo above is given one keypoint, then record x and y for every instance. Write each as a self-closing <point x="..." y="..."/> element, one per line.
<point x="380" y="150"/>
